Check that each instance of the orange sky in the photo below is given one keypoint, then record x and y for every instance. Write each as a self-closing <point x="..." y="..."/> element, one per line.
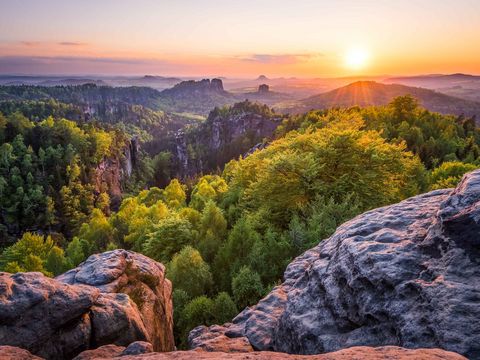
<point x="303" y="38"/>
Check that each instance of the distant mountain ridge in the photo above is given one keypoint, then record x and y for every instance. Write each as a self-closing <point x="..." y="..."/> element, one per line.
<point x="367" y="93"/>
<point x="460" y="85"/>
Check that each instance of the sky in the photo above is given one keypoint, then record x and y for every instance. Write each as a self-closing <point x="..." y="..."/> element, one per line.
<point x="239" y="38"/>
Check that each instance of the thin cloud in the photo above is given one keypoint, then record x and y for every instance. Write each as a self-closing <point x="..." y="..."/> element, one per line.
<point x="71" y="64"/>
<point x="30" y="43"/>
<point x="280" y="58"/>
<point x="71" y="43"/>
<point x="73" y="59"/>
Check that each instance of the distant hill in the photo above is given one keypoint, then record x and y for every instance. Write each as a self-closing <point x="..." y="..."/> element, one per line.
<point x="435" y="80"/>
<point x="198" y="97"/>
<point x="464" y="86"/>
<point x="365" y="93"/>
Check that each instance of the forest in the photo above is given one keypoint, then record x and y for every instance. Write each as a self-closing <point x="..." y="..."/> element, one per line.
<point x="225" y="236"/>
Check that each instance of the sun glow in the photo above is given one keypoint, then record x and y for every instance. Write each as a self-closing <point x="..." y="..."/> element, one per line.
<point x="356" y="58"/>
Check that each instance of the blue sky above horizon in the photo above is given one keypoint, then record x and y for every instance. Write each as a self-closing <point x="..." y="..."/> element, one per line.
<point x="238" y="38"/>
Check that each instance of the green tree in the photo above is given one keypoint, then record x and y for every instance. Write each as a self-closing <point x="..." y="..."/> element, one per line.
<point x="167" y="238"/>
<point x="98" y="232"/>
<point x="234" y="253"/>
<point x="198" y="311"/>
<point x="247" y="287"/>
<point x="175" y="194"/>
<point x="75" y="252"/>
<point x="449" y="174"/>
<point x="224" y="309"/>
<point x="29" y="253"/>
<point x="56" y="263"/>
<point x="188" y="272"/>
<point x="213" y="230"/>
<point x="208" y="188"/>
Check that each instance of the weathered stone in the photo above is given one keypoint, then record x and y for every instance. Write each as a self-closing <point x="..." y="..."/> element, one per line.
<point x="137" y="348"/>
<point x="103" y="352"/>
<point x="143" y="279"/>
<point x="355" y="353"/>
<point x="11" y="352"/>
<point x="214" y="339"/>
<point x="87" y="307"/>
<point x="405" y="275"/>
<point x="49" y="318"/>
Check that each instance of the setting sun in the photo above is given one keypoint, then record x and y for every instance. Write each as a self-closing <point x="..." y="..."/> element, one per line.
<point x="356" y="58"/>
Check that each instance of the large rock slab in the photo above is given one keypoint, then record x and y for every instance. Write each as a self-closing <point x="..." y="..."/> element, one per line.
<point x="355" y="353"/>
<point x="11" y="352"/>
<point x="405" y="275"/>
<point x="143" y="279"/>
<point x="59" y="318"/>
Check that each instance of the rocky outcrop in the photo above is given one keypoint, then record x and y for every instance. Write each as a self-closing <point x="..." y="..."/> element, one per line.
<point x="102" y="352"/>
<point x="192" y="87"/>
<point x="198" y="97"/>
<point x="11" y="352"/>
<point x="112" y="172"/>
<point x="116" y="297"/>
<point x="111" y="351"/>
<point x="142" y="279"/>
<point x="225" y="135"/>
<point x="353" y="353"/>
<point x="406" y="274"/>
<point x="263" y="89"/>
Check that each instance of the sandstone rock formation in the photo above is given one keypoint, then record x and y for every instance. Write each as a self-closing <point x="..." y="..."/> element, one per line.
<point x="88" y="306"/>
<point x="11" y="352"/>
<point x="222" y="137"/>
<point x="263" y="89"/>
<point x="143" y="279"/>
<point x="111" y="351"/>
<point x="405" y="275"/>
<point x="354" y="353"/>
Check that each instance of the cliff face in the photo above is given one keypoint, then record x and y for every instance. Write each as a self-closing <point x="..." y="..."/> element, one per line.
<point x="222" y="137"/>
<point x="112" y="172"/>
<point x="405" y="275"/>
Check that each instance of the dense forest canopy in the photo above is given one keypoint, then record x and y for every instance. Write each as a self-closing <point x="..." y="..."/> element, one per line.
<point x="226" y="236"/>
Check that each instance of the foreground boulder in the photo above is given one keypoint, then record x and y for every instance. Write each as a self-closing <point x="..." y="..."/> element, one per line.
<point x="59" y="318"/>
<point x="405" y="275"/>
<point x="11" y="352"/>
<point x="112" y="351"/>
<point x="355" y="353"/>
<point x="142" y="279"/>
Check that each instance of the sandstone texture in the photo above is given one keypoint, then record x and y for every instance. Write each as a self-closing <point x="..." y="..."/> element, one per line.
<point x="355" y="353"/>
<point x="11" y="352"/>
<point x="112" y="351"/>
<point x="406" y="275"/>
<point x="117" y="297"/>
<point x="143" y="279"/>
